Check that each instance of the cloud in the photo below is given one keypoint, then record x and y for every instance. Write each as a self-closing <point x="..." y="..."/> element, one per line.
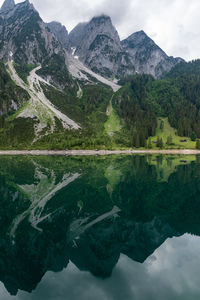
<point x="173" y="24"/>
<point x="172" y="272"/>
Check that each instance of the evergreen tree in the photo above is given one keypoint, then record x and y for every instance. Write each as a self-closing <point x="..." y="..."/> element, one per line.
<point x="142" y="139"/>
<point x="149" y="144"/>
<point x="137" y="141"/>
<point x="158" y="142"/>
<point x="169" y="140"/>
<point x="161" y="125"/>
<point x="193" y="136"/>
<point x="161" y="143"/>
<point x="198" y="144"/>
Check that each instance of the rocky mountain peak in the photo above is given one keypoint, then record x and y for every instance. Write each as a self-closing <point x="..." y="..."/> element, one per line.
<point x="98" y="46"/>
<point x="99" y="25"/>
<point x="103" y="25"/>
<point x="102" y="19"/>
<point x="25" y="35"/>
<point x="57" y="26"/>
<point x="76" y="35"/>
<point x="60" y="32"/>
<point x="139" y="33"/>
<point x="7" y="6"/>
<point x="147" y="56"/>
<point x="139" y="38"/>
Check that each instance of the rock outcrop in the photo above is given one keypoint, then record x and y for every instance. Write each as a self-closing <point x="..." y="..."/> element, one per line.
<point x="25" y="35"/>
<point x="77" y="34"/>
<point x="60" y="32"/>
<point x="98" y="46"/>
<point x="146" y="56"/>
<point x="7" y="5"/>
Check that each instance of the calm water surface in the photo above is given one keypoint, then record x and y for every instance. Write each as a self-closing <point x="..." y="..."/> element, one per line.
<point x="103" y="228"/>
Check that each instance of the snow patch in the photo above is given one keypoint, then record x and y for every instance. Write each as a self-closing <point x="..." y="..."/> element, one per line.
<point x="73" y="50"/>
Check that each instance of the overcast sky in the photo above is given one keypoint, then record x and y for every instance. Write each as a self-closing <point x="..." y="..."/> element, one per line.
<point x="173" y="24"/>
<point x="172" y="272"/>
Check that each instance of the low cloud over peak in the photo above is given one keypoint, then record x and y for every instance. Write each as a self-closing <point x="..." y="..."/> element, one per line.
<point x="172" y="24"/>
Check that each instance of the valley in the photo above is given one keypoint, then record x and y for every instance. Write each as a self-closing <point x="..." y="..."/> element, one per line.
<point x="87" y="89"/>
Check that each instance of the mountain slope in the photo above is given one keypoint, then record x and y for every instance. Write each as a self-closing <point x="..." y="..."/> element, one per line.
<point x="39" y="106"/>
<point x="63" y="90"/>
<point x="7" y="5"/>
<point x="98" y="46"/>
<point x="25" y="34"/>
<point x="11" y="96"/>
<point x="142" y="100"/>
<point x="77" y="34"/>
<point x="83" y="74"/>
<point x="60" y="32"/>
<point x="31" y="42"/>
<point x="146" y="56"/>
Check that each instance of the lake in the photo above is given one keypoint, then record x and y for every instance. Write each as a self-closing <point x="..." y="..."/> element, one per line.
<point x="100" y="227"/>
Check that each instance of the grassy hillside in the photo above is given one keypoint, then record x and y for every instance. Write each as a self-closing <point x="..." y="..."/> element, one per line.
<point x="164" y="131"/>
<point x="142" y="112"/>
<point x="113" y="124"/>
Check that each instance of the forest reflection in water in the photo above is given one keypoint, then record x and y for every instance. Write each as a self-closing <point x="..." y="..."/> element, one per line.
<point x="104" y="222"/>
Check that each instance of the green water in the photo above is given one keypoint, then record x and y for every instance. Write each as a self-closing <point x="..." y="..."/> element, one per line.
<point x="103" y="228"/>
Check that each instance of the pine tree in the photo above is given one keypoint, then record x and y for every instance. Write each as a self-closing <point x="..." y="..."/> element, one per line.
<point x="161" y="125"/>
<point x="198" y="144"/>
<point x="169" y="140"/>
<point x="137" y="141"/>
<point x="149" y="144"/>
<point x="193" y="136"/>
<point x="161" y="143"/>
<point x="158" y="142"/>
<point x="142" y="139"/>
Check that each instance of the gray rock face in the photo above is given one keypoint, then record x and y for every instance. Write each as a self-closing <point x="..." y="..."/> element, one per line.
<point x="29" y="40"/>
<point x="146" y="56"/>
<point x="23" y="33"/>
<point x="26" y="39"/>
<point x="77" y="34"/>
<point x="60" y="32"/>
<point x="98" y="46"/>
<point x="7" y="5"/>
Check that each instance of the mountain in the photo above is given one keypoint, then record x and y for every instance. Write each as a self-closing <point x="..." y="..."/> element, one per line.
<point x="83" y="90"/>
<point x="98" y="46"/>
<point x="11" y="96"/>
<point x="77" y="34"/>
<point x="25" y="35"/>
<point x="27" y="40"/>
<point x="60" y="32"/>
<point x="7" y="5"/>
<point x="35" y="59"/>
<point x="146" y="56"/>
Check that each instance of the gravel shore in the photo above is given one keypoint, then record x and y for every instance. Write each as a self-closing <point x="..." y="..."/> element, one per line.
<point x="94" y="152"/>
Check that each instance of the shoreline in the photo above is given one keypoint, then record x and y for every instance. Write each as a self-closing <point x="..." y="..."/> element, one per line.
<point x="96" y="152"/>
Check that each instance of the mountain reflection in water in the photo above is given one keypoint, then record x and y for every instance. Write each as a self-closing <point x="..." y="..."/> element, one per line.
<point x="105" y="222"/>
